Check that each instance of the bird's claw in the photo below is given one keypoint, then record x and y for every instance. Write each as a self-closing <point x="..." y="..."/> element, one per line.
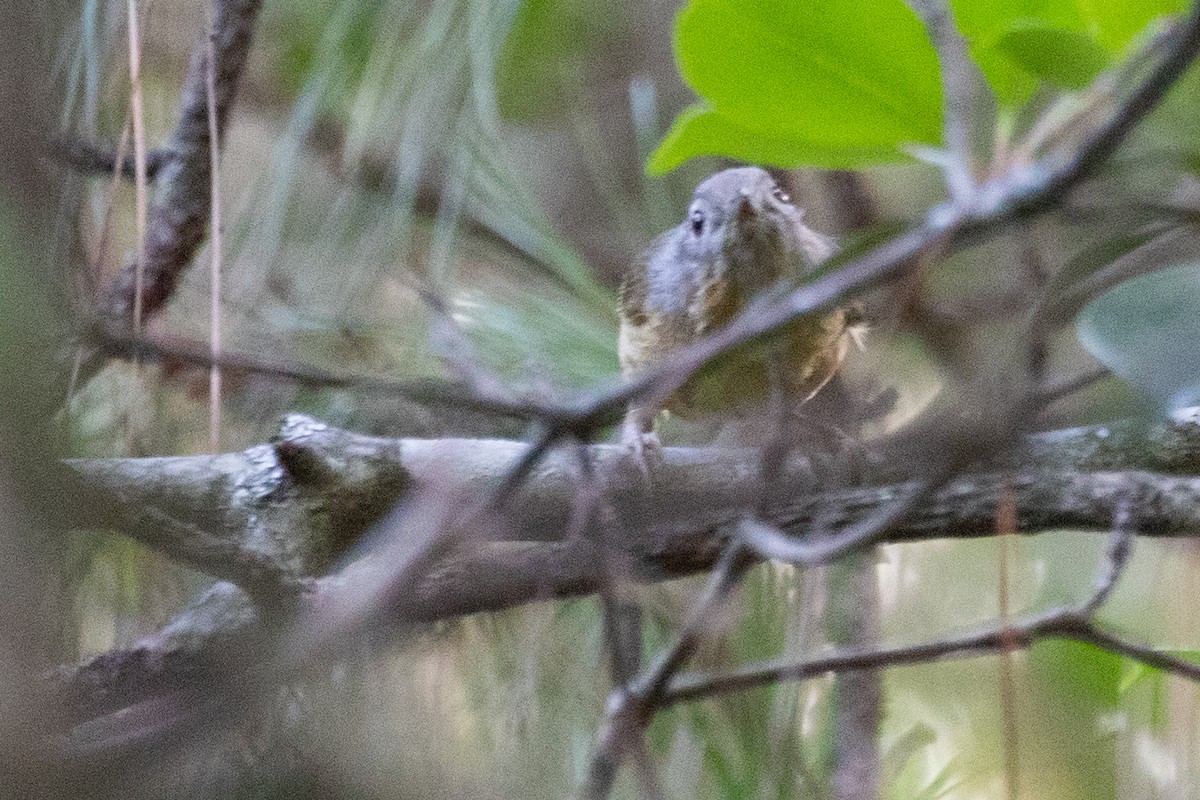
<point x="642" y="448"/>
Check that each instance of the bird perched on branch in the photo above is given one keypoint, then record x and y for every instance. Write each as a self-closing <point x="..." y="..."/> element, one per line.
<point x="741" y="238"/>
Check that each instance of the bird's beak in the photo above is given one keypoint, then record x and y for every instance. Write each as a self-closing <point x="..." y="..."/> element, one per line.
<point x="746" y="210"/>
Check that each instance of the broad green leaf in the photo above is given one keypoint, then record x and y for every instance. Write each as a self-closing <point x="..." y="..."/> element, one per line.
<point x="983" y="18"/>
<point x="1136" y="671"/>
<point x="701" y="131"/>
<point x="1074" y="38"/>
<point x="1061" y="57"/>
<point x="806" y="78"/>
<point x="1145" y="330"/>
<point x="1116" y="23"/>
<point x="984" y="23"/>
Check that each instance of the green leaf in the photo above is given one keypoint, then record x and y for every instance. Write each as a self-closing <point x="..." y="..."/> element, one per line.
<point x="984" y="23"/>
<point x="1145" y="330"/>
<point x="1073" y="690"/>
<point x="1061" y="57"/>
<point x="701" y="131"/>
<point x="1018" y="42"/>
<point x="804" y="79"/>
<point x="1117" y="23"/>
<point x="1135" y="672"/>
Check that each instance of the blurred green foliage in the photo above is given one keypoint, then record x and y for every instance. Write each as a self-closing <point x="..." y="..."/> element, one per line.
<point x="389" y="144"/>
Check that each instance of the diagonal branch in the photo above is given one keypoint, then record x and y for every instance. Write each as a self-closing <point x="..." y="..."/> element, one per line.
<point x="178" y="221"/>
<point x="1021" y="193"/>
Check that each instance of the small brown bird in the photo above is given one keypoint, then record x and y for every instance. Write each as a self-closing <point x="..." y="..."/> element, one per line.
<point x="741" y="237"/>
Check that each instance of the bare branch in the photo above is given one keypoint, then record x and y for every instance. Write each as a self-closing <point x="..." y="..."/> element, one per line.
<point x="178" y="221"/>
<point x="294" y="506"/>
<point x="823" y="545"/>
<point x="631" y="707"/>
<point x="1118" y="557"/>
<point x="90" y="157"/>
<point x="960" y="85"/>
<point x="1063" y="623"/>
<point x="418" y="390"/>
<point x="1057" y="390"/>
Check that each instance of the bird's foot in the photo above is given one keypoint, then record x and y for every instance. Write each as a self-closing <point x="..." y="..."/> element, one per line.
<point x="642" y="448"/>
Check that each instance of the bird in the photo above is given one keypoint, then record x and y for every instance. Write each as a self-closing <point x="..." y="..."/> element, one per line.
<point x="740" y="239"/>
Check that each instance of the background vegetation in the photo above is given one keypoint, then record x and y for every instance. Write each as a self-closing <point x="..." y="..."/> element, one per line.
<point x="410" y="187"/>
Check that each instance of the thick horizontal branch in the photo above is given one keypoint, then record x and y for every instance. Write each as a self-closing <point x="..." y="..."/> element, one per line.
<point x="288" y="509"/>
<point x="282" y="513"/>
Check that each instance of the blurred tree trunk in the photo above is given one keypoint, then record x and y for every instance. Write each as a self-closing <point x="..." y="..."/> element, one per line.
<point x="31" y="279"/>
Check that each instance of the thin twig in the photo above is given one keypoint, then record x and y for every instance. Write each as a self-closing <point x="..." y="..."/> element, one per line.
<point x="631" y="708"/>
<point x="1058" y="623"/>
<point x="960" y="92"/>
<point x="214" y="149"/>
<point x="93" y="158"/>
<point x="1006" y="529"/>
<point x="117" y="345"/>
<point x="1065" y="387"/>
<point x="826" y="546"/>
<point x="139" y="155"/>
<point x="622" y="618"/>
<point x="1119" y="549"/>
<point x="96" y="270"/>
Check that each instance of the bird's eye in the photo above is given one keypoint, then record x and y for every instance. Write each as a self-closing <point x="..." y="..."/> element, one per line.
<point x="780" y="195"/>
<point x="696" y="220"/>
